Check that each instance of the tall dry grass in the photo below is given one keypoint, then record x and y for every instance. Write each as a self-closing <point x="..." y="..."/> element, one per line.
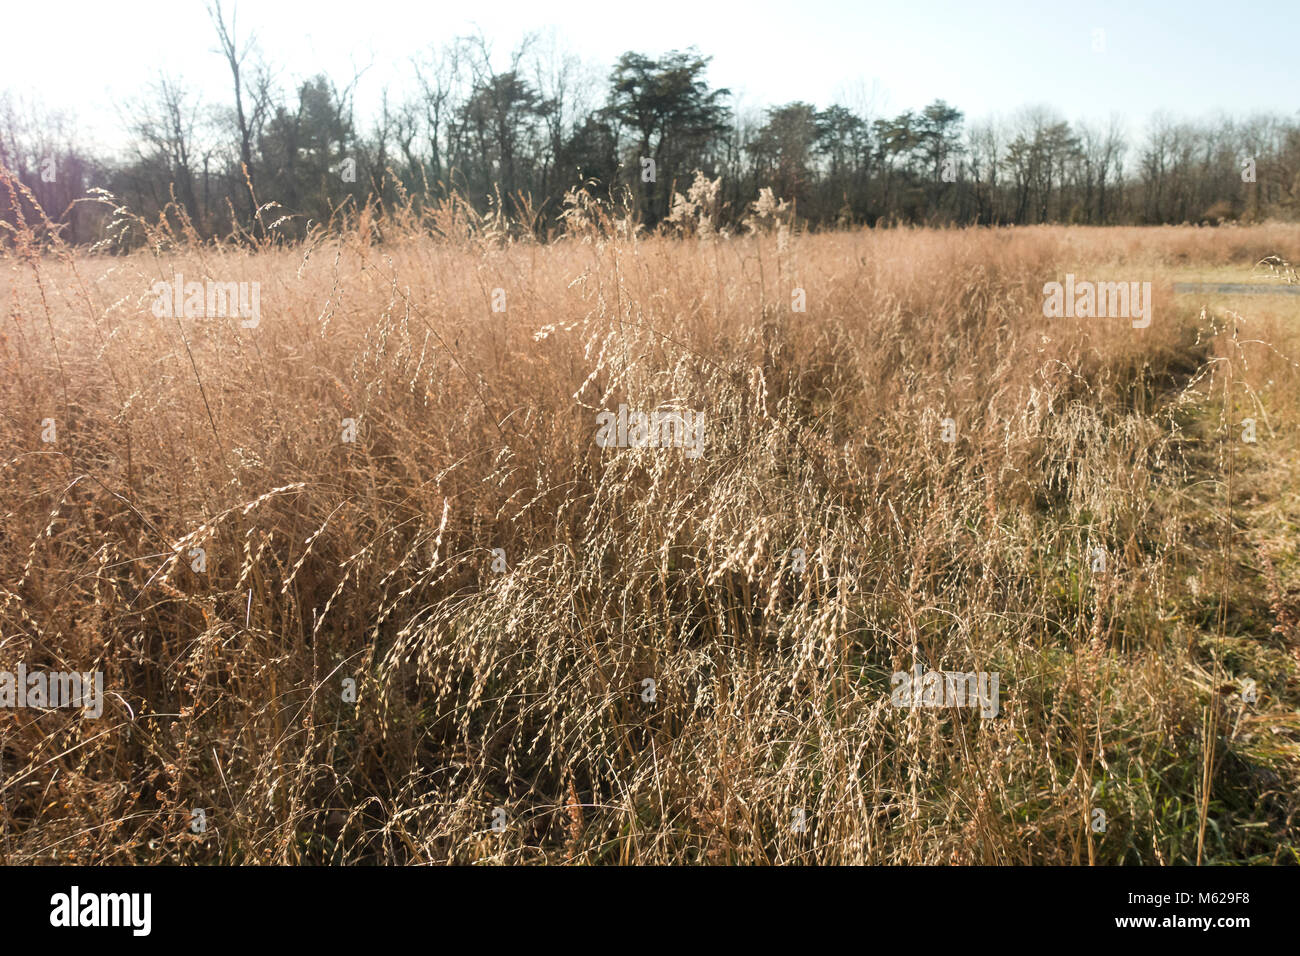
<point x="524" y="690"/>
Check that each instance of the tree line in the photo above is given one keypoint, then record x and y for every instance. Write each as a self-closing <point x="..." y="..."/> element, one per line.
<point x="514" y="137"/>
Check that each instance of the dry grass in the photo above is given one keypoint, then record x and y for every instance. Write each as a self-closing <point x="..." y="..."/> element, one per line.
<point x="523" y="690"/>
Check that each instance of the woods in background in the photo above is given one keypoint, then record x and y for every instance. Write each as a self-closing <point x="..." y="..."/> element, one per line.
<point x="514" y="137"/>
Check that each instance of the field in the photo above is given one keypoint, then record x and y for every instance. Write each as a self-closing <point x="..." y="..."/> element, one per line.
<point x="364" y="588"/>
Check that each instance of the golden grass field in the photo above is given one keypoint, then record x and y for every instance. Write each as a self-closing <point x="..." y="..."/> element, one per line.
<point x="523" y="689"/>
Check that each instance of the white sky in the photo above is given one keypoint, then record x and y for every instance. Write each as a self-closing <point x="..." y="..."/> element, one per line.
<point x="1190" y="57"/>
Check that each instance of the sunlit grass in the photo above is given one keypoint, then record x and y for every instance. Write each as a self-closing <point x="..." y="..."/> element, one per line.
<point x="524" y="690"/>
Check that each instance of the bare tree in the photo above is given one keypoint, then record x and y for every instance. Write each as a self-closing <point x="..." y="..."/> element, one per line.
<point x="163" y="126"/>
<point x="248" y="118"/>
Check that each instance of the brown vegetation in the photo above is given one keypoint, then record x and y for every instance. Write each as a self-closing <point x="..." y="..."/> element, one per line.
<point x="372" y="560"/>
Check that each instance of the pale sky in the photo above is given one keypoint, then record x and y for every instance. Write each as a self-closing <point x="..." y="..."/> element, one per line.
<point x="1191" y="58"/>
